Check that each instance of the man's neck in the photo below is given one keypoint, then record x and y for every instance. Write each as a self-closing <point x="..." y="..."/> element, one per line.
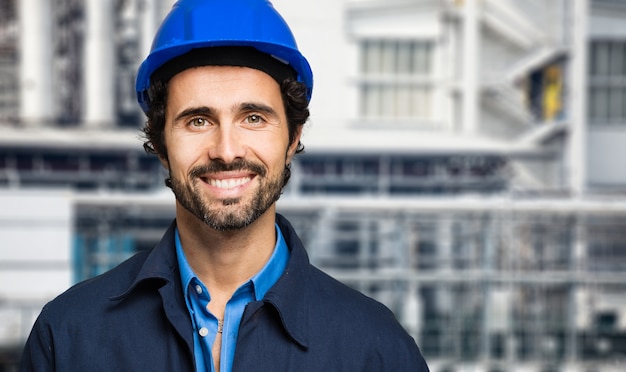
<point x="224" y="260"/>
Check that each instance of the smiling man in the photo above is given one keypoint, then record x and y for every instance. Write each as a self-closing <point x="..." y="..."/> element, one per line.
<point x="229" y="287"/>
<point x="226" y="153"/>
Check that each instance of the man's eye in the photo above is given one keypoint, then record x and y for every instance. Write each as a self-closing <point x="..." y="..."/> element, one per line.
<point x="254" y="119"/>
<point x="198" y="122"/>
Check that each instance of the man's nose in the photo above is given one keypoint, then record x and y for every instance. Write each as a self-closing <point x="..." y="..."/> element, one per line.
<point x="227" y="145"/>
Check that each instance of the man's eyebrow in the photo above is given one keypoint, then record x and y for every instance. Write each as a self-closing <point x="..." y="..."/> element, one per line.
<point x="194" y="111"/>
<point x="259" y="107"/>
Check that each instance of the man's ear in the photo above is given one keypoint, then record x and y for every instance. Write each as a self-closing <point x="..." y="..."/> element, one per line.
<point x="291" y="151"/>
<point x="164" y="162"/>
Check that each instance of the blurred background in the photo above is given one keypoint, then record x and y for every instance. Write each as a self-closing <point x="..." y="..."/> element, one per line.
<point x="464" y="165"/>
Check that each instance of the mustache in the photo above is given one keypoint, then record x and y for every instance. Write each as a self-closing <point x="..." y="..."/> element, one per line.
<point x="218" y="166"/>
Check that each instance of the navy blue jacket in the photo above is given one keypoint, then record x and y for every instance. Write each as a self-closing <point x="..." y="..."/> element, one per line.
<point x="134" y="318"/>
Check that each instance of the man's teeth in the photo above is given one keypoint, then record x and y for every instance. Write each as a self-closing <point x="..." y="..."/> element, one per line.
<point x="229" y="183"/>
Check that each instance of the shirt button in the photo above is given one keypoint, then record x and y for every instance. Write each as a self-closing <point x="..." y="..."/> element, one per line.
<point x="198" y="289"/>
<point x="203" y="332"/>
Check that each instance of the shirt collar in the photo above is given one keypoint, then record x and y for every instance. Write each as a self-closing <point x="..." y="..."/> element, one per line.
<point x="274" y="268"/>
<point x="261" y="281"/>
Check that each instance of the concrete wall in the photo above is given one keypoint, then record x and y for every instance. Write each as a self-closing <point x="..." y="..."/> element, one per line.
<point x="35" y="256"/>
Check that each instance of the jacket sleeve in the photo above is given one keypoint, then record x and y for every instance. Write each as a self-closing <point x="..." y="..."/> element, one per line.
<point x="38" y="354"/>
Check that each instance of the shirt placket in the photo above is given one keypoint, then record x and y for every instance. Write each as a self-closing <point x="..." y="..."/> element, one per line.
<point x="206" y="323"/>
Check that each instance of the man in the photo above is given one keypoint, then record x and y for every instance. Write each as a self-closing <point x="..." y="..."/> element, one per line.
<point x="229" y="287"/>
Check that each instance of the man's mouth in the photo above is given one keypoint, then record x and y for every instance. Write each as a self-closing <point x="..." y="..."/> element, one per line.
<point x="229" y="183"/>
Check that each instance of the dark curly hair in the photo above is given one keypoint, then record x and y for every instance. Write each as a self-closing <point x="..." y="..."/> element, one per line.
<point x="296" y="103"/>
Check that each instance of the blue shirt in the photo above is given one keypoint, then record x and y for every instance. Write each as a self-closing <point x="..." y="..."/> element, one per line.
<point x="205" y="324"/>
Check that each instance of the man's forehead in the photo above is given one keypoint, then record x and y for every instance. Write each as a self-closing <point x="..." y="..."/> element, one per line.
<point x="223" y="89"/>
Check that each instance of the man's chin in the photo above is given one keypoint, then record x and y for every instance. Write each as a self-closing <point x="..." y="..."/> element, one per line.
<point x="231" y="201"/>
<point x="228" y="222"/>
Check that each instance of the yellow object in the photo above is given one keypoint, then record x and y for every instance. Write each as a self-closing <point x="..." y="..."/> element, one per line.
<point x="552" y="92"/>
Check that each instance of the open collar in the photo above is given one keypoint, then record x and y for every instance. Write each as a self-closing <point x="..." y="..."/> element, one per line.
<point x="290" y="295"/>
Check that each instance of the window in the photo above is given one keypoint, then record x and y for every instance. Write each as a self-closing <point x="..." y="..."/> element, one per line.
<point x="607" y="83"/>
<point x="395" y="80"/>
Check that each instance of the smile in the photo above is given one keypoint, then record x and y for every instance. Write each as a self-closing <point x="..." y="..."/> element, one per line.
<point x="230" y="183"/>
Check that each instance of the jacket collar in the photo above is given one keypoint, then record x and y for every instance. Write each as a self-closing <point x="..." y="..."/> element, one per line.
<point x="160" y="264"/>
<point x="290" y="294"/>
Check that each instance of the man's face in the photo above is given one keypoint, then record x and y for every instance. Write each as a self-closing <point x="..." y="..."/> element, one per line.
<point x="227" y="143"/>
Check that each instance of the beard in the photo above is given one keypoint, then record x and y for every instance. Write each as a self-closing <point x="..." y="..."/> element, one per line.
<point x="233" y="213"/>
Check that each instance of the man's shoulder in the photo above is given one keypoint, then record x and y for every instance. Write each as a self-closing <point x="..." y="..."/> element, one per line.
<point x="349" y="303"/>
<point x="362" y="323"/>
<point x="328" y="286"/>
<point x="91" y="293"/>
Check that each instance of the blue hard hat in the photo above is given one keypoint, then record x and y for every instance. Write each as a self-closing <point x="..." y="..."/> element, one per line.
<point x="193" y="24"/>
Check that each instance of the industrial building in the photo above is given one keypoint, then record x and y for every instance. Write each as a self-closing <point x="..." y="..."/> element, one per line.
<point x="464" y="165"/>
